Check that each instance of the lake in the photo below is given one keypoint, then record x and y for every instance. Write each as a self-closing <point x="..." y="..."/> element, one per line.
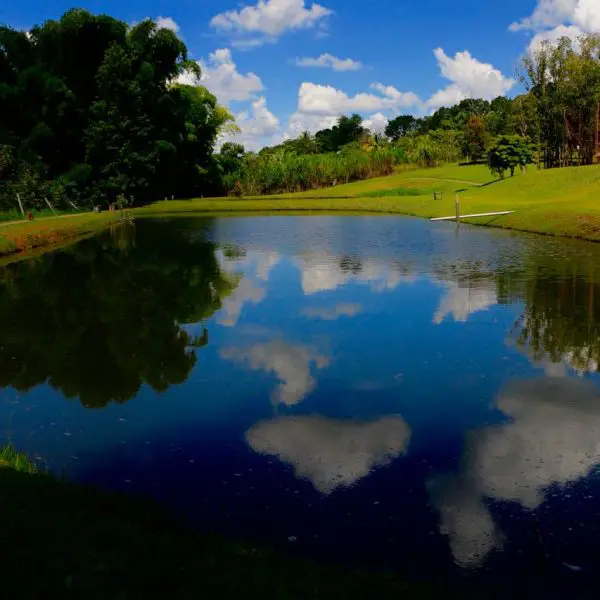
<point x="368" y="390"/>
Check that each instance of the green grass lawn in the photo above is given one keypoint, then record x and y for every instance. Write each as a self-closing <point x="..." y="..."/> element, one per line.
<point x="429" y="180"/>
<point x="564" y="202"/>
<point x="21" y="237"/>
<point x="15" y="214"/>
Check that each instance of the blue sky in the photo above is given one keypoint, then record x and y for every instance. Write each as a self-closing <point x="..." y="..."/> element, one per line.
<point x="282" y="65"/>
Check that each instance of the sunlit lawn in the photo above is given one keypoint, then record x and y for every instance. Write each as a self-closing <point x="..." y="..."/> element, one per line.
<point x="558" y="201"/>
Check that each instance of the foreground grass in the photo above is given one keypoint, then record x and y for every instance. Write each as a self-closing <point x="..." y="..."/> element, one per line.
<point x="63" y="540"/>
<point x="10" y="458"/>
<point x="25" y="236"/>
<point x="563" y="202"/>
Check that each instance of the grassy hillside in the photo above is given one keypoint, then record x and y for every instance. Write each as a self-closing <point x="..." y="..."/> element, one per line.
<point x="427" y="180"/>
<point x="564" y="202"/>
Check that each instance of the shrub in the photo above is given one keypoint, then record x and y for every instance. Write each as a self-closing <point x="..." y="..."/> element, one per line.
<point x="509" y="152"/>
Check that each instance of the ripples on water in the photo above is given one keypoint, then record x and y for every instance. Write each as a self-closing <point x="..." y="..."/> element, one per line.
<point x="372" y="390"/>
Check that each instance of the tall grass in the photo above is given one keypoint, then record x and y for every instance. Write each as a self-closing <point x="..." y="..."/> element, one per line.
<point x="10" y="458"/>
<point x="432" y="149"/>
<point x="289" y="172"/>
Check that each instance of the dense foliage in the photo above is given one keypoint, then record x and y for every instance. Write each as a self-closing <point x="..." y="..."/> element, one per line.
<point x="289" y="172"/>
<point x="563" y="83"/>
<point x="89" y="110"/>
<point x="509" y="152"/>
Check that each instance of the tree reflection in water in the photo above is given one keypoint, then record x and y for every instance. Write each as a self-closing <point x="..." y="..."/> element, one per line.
<point x="99" y="319"/>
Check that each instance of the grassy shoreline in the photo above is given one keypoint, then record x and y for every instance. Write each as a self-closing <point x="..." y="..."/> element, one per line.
<point x="559" y="202"/>
<point x="70" y="540"/>
<point x="23" y="237"/>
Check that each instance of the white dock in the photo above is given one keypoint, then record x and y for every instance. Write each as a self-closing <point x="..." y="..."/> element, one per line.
<point x="490" y="214"/>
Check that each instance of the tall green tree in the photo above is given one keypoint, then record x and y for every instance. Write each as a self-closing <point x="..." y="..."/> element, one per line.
<point x="563" y="81"/>
<point x="90" y="109"/>
<point x="345" y="131"/>
<point x="400" y="126"/>
<point x="476" y="138"/>
<point x="509" y="152"/>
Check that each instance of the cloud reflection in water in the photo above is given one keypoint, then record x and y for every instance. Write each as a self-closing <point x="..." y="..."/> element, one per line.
<point x="290" y="363"/>
<point x="331" y="453"/>
<point x="553" y="438"/>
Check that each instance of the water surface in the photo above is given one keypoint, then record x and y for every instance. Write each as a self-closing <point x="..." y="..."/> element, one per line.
<point x="375" y="391"/>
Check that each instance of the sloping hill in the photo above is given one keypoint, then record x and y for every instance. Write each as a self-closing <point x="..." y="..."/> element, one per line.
<point x="563" y="202"/>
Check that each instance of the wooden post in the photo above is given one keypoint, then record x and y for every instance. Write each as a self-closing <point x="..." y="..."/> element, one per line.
<point x="457" y="210"/>
<point x="49" y="205"/>
<point x="20" y="204"/>
<point x="597" y="144"/>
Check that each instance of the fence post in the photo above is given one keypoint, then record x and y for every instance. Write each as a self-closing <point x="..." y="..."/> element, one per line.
<point x="20" y="205"/>
<point x="457" y="210"/>
<point x="49" y="205"/>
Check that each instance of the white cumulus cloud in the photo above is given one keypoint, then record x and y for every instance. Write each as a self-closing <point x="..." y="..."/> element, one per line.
<point x="325" y="100"/>
<point x="299" y="123"/>
<point x="548" y="14"/>
<point x="554" y="19"/>
<point x="553" y="36"/>
<point x="167" y="23"/>
<point x="257" y="126"/>
<point x="331" y="453"/>
<point x="269" y="19"/>
<point x="328" y="61"/>
<point x="469" y="78"/>
<point x="319" y="107"/>
<point x="587" y="15"/>
<point x="221" y="77"/>
<point x="376" y="123"/>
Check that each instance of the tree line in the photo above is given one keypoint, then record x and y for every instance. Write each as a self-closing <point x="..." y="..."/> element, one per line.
<point x="554" y="123"/>
<point x="91" y="112"/>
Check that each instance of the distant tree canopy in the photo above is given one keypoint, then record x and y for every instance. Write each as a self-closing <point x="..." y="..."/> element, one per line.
<point x="89" y="109"/>
<point x="401" y="126"/>
<point x="346" y="131"/>
<point x="563" y="89"/>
